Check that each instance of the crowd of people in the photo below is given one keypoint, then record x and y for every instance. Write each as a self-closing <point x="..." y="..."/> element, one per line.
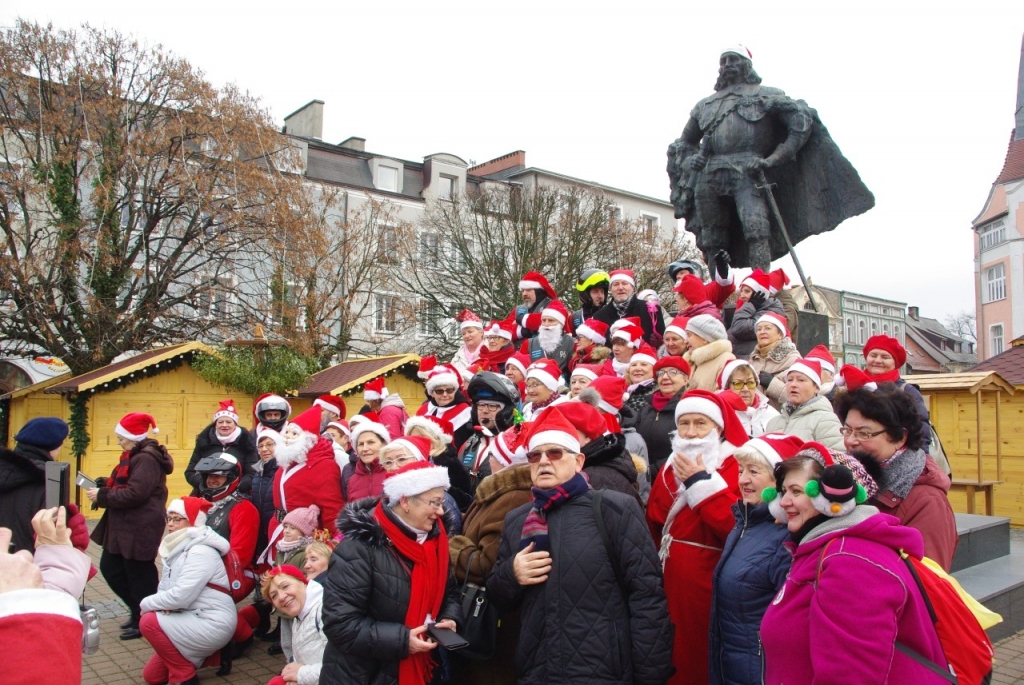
<point x="640" y="497"/>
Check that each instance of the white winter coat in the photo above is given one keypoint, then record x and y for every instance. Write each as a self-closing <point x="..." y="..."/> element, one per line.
<point x="812" y="421"/>
<point x="202" y="619"/>
<point x="302" y="637"/>
<point x="755" y="419"/>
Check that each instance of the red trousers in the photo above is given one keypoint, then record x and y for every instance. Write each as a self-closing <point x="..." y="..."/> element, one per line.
<point x="167" y="663"/>
<point x="248" y="619"/>
<point x="276" y="680"/>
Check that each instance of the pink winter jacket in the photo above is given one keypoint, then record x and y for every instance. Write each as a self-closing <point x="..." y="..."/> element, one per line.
<point x="841" y="627"/>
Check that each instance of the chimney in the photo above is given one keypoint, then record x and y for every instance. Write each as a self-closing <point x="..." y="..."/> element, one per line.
<point x="512" y="159"/>
<point x="307" y="121"/>
<point x="913" y="313"/>
<point x="354" y="143"/>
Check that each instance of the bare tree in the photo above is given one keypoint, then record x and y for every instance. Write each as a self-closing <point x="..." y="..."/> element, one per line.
<point x="472" y="250"/>
<point x="128" y="188"/>
<point x="963" y="325"/>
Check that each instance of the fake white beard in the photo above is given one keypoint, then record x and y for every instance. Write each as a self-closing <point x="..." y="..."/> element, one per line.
<point x="548" y="337"/>
<point x="295" y="451"/>
<point x="709" y="447"/>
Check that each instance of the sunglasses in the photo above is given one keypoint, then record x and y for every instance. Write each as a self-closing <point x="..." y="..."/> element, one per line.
<point x="553" y="454"/>
<point x="739" y="385"/>
<point x="443" y="391"/>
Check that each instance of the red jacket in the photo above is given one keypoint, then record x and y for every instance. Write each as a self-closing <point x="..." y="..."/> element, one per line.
<point x="698" y="533"/>
<point x="317" y="481"/>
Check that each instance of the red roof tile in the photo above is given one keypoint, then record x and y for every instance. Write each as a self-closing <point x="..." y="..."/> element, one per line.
<point x="1013" y="167"/>
<point x="118" y="369"/>
<point x="346" y="375"/>
<point x="1009" y="364"/>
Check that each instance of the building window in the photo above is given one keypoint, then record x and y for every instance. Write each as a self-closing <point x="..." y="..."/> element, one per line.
<point x="995" y="280"/>
<point x="650" y="223"/>
<point x="995" y="336"/>
<point x="885" y="329"/>
<point x="387" y="178"/>
<point x="849" y="331"/>
<point x="429" y="255"/>
<point x="387" y="245"/>
<point x="860" y="332"/>
<point x="385" y="314"/>
<point x="217" y="301"/>
<point x="896" y="332"/>
<point x="446" y="188"/>
<point x="874" y="328"/>
<point x="991" y="235"/>
<point x="429" y="319"/>
<point x="614" y="215"/>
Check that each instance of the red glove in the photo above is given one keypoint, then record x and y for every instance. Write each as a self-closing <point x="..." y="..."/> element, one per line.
<point x="531" y="322"/>
<point x="79" y="530"/>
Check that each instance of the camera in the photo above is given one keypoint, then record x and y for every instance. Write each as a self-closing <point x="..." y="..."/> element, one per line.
<point x="90" y="630"/>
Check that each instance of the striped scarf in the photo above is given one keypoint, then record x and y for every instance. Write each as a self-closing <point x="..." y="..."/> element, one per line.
<point x="535" y="527"/>
<point x="120" y="475"/>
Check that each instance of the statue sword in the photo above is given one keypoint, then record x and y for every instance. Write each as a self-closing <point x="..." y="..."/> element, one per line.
<point x="767" y="187"/>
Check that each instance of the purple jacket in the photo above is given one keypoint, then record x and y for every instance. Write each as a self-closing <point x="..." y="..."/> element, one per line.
<point x="841" y="627"/>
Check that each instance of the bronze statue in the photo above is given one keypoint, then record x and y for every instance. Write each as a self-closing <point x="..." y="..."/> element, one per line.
<point x="743" y="138"/>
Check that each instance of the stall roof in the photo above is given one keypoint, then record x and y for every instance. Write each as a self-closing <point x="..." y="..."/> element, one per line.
<point x="346" y="376"/>
<point x="29" y="389"/>
<point x="110" y="372"/>
<point x="971" y="381"/>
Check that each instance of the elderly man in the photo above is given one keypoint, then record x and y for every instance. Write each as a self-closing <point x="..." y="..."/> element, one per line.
<point x="624" y="303"/>
<point x="583" y="575"/>
<point x="551" y="341"/>
<point x="537" y="293"/>
<point x="690" y="515"/>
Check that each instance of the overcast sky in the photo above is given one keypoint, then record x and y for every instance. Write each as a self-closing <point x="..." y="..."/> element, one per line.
<point x="920" y="97"/>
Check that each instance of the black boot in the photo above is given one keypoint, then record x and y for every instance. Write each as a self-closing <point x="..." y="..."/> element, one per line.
<point x="238" y="648"/>
<point x="225" y="660"/>
<point x="275" y="649"/>
<point x="263" y="609"/>
<point x="132" y="622"/>
<point x="274" y="635"/>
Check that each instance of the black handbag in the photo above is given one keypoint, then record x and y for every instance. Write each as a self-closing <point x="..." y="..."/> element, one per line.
<point x="479" y="619"/>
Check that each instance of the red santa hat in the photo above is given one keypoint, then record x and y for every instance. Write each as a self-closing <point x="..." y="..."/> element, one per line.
<point x="824" y="357"/>
<point x="887" y="344"/>
<point x="629" y="334"/>
<point x="775" y="447"/>
<point x="778" y="280"/>
<point x="367" y="426"/>
<point x="374" y="389"/>
<point x="547" y="372"/>
<point x="534" y="280"/>
<point x="445" y="375"/>
<point x="645" y="353"/>
<point x="342" y="425"/>
<point x="226" y="411"/>
<point x="417" y="445"/>
<point x="468" y="319"/>
<point x="775" y="320"/>
<point x="591" y="371"/>
<point x="738" y="49"/>
<point x="500" y="329"/>
<point x="612" y="391"/>
<point x="552" y="428"/>
<point x="808" y="367"/>
<point x="593" y="330"/>
<point x="584" y="417"/>
<point x="309" y="420"/>
<point x="733" y="400"/>
<point x="507" y="448"/>
<point x="192" y="508"/>
<point x="556" y="310"/>
<point x="622" y="275"/>
<point x="364" y="417"/>
<point x="758" y="281"/>
<point x="692" y="288"/>
<point x="441" y="429"/>
<point x="714" y="407"/>
<point x="672" y="361"/>
<point x="625" y="321"/>
<point x="414" y="479"/>
<point x="853" y="378"/>
<point x="427" y="364"/>
<point x="728" y="370"/>
<point x="333" y="404"/>
<point x="135" y="426"/>
<point x="678" y="326"/>
<point x="267" y="432"/>
<point x="520" y="360"/>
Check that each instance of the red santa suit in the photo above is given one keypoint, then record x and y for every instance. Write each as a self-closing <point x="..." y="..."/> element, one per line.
<point x="690" y="525"/>
<point x="317" y="480"/>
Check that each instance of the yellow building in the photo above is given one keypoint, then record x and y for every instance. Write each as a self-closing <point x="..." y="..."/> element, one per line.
<point x="348" y="378"/>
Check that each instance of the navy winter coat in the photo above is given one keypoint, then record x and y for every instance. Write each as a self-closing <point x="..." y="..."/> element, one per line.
<point x="752" y="569"/>
<point x="262" y="497"/>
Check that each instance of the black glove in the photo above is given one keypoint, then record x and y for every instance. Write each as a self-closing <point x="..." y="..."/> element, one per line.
<point x="722" y="261"/>
<point x="757" y="299"/>
<point x="765" y="379"/>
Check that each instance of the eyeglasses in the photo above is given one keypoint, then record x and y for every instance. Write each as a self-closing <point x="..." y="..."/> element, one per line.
<point x="859" y="433"/>
<point x="669" y="372"/>
<point x="176" y="519"/>
<point x="532" y="384"/>
<point x="489" y="405"/>
<point x="739" y="385"/>
<point x="443" y="391"/>
<point x="553" y="454"/>
<point x="433" y="504"/>
<point x="399" y="462"/>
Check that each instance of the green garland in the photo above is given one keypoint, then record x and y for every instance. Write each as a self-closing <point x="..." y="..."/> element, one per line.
<point x="255" y="370"/>
<point x="78" y="422"/>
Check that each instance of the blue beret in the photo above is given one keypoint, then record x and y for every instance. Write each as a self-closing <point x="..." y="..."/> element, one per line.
<point x="45" y="432"/>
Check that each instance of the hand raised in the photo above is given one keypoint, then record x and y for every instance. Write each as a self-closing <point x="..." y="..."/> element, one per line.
<point x="531" y="568"/>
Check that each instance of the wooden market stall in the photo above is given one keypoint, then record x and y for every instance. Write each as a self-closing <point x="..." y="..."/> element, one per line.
<point x="980" y="420"/>
<point x="348" y="378"/>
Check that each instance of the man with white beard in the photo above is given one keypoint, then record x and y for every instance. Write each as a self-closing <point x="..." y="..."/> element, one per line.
<point x="551" y="341"/>
<point x="690" y="515"/>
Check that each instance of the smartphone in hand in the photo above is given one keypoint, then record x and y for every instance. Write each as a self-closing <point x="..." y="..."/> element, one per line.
<point x="58" y="484"/>
<point x="446" y="637"/>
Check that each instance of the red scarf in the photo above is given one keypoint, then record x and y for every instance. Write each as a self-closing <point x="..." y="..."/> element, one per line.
<point x="887" y="377"/>
<point x="119" y="478"/>
<point x="493" y="361"/>
<point x="659" y="400"/>
<point x="426" y="592"/>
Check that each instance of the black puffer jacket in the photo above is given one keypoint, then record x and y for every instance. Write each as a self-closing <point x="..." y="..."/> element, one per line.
<point x="581" y="625"/>
<point x="366" y="595"/>
<point x="243" y="449"/>
<point x="262" y="497"/>
<point x="609" y="467"/>
<point x="655" y="427"/>
<point x="22" y="491"/>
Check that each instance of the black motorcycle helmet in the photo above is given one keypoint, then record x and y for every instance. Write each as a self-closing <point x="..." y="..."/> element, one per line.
<point x="487" y="385"/>
<point x="222" y="464"/>
<point x="273" y="403"/>
<point x="684" y="265"/>
<point x="589" y="279"/>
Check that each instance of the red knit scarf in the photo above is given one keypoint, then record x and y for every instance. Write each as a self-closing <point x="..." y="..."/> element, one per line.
<point x="493" y="361"/>
<point x="659" y="400"/>
<point x="887" y="377"/>
<point x="119" y="479"/>
<point x="429" y="579"/>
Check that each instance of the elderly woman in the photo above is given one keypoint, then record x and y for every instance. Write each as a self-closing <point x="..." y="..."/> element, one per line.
<point x="582" y="376"/>
<point x="847" y="586"/>
<point x="753" y="299"/>
<point x="412" y="448"/>
<point x="739" y="376"/>
<point x="710" y="351"/>
<point x="192" y="615"/>
<point x="640" y="377"/>
<point x="543" y="381"/>
<point x="439" y="433"/>
<point x="753" y="566"/>
<point x="302" y="634"/>
<point x="656" y="420"/>
<point x="675" y="344"/>
<point x="129" y="531"/>
<point x="389" y="579"/>
<point x="222" y="436"/>
<point x="806" y="414"/>
<point x="774" y="353"/>
<point x="884" y="357"/>
<point x="365" y="478"/>
<point x="472" y="329"/>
